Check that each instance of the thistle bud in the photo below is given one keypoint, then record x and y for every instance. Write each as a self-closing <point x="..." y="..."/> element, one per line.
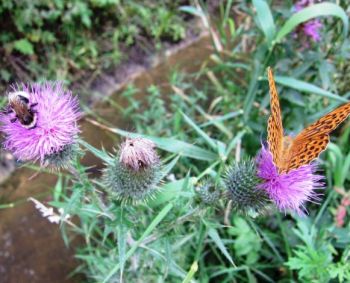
<point x="207" y="193"/>
<point x="138" y="153"/>
<point x="135" y="173"/>
<point x="242" y="185"/>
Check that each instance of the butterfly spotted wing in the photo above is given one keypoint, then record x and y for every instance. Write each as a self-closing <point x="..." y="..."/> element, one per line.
<point x="289" y="153"/>
<point x="314" y="139"/>
<point x="275" y="127"/>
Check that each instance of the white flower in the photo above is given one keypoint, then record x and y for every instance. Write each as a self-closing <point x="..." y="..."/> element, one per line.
<point x="48" y="212"/>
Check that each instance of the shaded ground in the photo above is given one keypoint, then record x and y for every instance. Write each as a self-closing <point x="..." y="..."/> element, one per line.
<point x="31" y="248"/>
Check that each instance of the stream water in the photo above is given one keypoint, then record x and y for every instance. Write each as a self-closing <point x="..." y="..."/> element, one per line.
<point x="31" y="248"/>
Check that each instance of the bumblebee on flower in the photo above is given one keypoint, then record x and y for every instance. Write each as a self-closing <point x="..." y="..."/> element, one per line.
<point x="40" y="122"/>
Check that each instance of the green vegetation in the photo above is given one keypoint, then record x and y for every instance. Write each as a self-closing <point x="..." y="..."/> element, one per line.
<point x="77" y="40"/>
<point x="209" y="120"/>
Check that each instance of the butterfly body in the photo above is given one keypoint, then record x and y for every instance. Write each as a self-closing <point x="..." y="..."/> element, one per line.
<point x="293" y="152"/>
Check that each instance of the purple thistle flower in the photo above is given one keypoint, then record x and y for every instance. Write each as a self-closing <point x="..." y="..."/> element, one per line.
<point x="289" y="190"/>
<point x="301" y="4"/>
<point x="56" y="114"/>
<point x="311" y="28"/>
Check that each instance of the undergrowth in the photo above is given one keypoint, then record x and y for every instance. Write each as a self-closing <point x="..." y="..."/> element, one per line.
<point x="201" y="124"/>
<point x="75" y="41"/>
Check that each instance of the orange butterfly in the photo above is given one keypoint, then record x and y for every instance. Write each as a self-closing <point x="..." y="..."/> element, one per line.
<point x="291" y="153"/>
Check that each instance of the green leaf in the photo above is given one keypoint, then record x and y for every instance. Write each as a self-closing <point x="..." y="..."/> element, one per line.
<point x="121" y="236"/>
<point x="265" y="20"/>
<point x="346" y="168"/>
<point x="226" y="17"/>
<point x="5" y="75"/>
<point x="58" y="189"/>
<point x="234" y="142"/>
<point x="199" y="131"/>
<point x="168" y="167"/>
<point x="148" y="231"/>
<point x="24" y="46"/>
<point x="252" y="89"/>
<point x="192" y="10"/>
<point x="173" y="190"/>
<point x="8" y="205"/>
<point x="222" y="118"/>
<point x="314" y="11"/>
<point x="307" y="87"/>
<point x="214" y="235"/>
<point x="98" y="153"/>
<point x="191" y="272"/>
<point x="173" y="145"/>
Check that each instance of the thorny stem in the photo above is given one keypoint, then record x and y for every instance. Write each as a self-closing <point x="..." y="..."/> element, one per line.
<point x="7" y="205"/>
<point x="279" y="219"/>
<point x="286" y="243"/>
<point x="228" y="209"/>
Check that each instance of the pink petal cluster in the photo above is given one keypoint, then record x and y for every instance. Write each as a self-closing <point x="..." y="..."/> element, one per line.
<point x="311" y="28"/>
<point x="56" y="126"/>
<point x="291" y="190"/>
<point x="138" y="153"/>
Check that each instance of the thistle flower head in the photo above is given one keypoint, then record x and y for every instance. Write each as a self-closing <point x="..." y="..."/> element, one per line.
<point x="54" y="127"/>
<point x="242" y="185"/>
<point x="134" y="175"/>
<point x="207" y="193"/>
<point x="310" y="29"/>
<point x="291" y="190"/>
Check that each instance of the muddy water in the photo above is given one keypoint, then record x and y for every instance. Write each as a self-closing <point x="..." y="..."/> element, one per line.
<point x="31" y="248"/>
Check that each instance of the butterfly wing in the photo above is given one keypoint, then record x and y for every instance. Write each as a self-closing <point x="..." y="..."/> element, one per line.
<point x="275" y="127"/>
<point x="309" y="144"/>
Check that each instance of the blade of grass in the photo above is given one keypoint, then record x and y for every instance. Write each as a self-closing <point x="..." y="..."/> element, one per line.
<point x="57" y="191"/>
<point x="172" y="190"/>
<point x="234" y="142"/>
<point x="8" y="205"/>
<point x="267" y="239"/>
<point x="148" y="231"/>
<point x="168" y="167"/>
<point x="222" y="118"/>
<point x="214" y="235"/>
<point x="98" y="153"/>
<point x="191" y="272"/>
<point x="121" y="236"/>
<point x="265" y="19"/>
<point x="332" y="194"/>
<point x="198" y="108"/>
<point x="226" y="17"/>
<point x="346" y="169"/>
<point x="249" y="100"/>
<point x="174" y="146"/>
<point x="199" y="131"/>
<point x="307" y="87"/>
<point x="167" y="144"/>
